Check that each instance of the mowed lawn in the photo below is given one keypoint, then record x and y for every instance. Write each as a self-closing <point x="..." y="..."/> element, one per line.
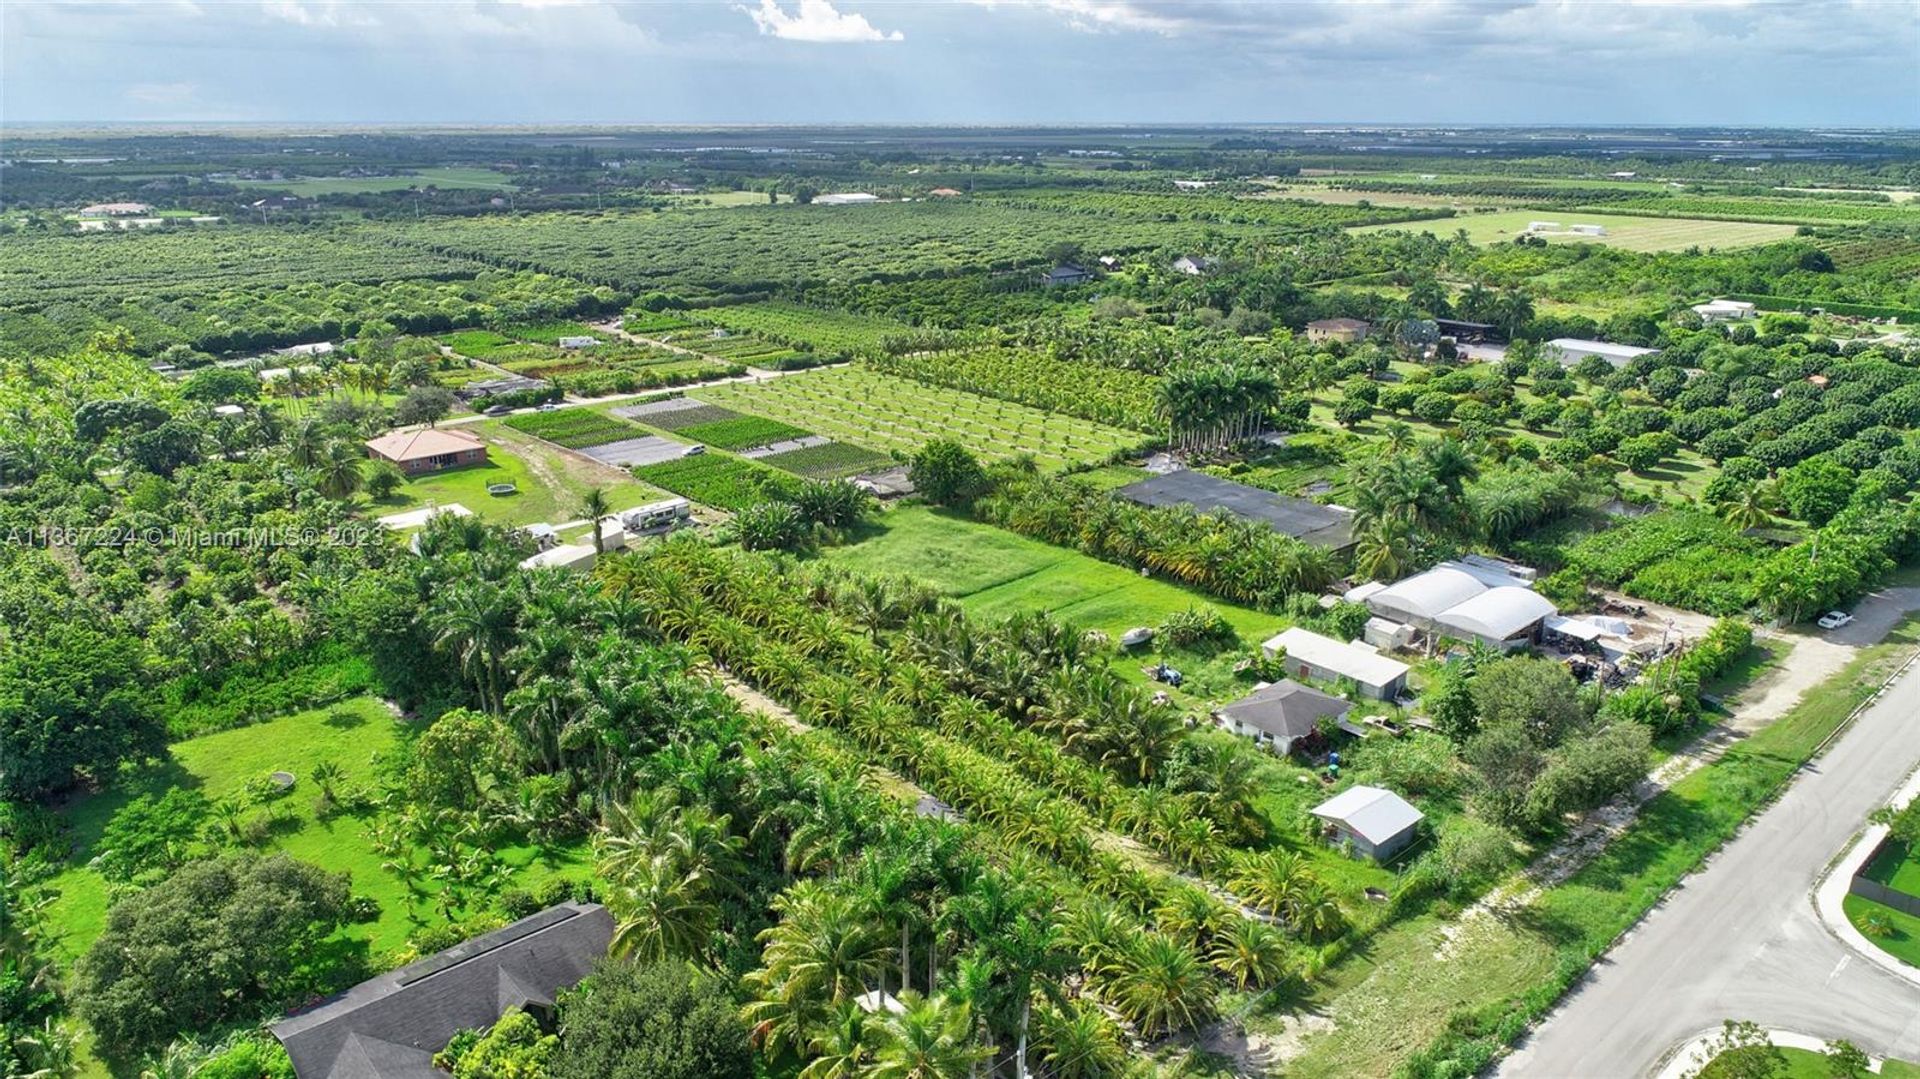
<point x="222" y="765"/>
<point x="996" y="573"/>
<point x="1807" y="1064"/>
<point x="549" y="484"/>
<point x="1624" y="231"/>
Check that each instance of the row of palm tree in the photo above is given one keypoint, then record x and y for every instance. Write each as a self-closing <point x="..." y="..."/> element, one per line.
<point x="1210" y="406"/>
<point x="989" y="791"/>
<point x="1236" y="559"/>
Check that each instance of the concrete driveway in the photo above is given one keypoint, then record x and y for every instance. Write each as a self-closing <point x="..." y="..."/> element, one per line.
<point x="1876" y="615"/>
<point x="1740" y="939"/>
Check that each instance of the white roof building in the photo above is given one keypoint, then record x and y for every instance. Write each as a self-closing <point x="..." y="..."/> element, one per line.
<point x="565" y="556"/>
<point x="1500" y="617"/>
<point x="579" y="342"/>
<point x="1422" y="598"/>
<point x="1571" y="350"/>
<point x="845" y="198"/>
<point x="1376" y="821"/>
<point x="1310" y="655"/>
<point x="115" y="209"/>
<point x="1724" y="310"/>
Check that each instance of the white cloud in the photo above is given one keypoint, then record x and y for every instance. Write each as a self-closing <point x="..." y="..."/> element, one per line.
<point x="817" y="21"/>
<point x="162" y="93"/>
<point x="1097" y="16"/>
<point x="324" y="14"/>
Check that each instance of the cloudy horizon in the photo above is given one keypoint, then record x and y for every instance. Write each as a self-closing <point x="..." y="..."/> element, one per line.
<point x="1831" y="63"/>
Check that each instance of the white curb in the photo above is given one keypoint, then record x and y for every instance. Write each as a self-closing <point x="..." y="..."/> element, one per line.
<point x="1692" y="1055"/>
<point x="1832" y="889"/>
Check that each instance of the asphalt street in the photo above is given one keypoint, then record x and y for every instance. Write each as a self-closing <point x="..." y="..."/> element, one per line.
<point x="1740" y="939"/>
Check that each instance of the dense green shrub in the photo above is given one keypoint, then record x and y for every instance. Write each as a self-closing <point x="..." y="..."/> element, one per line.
<point x="664" y="1021"/>
<point x="217" y="941"/>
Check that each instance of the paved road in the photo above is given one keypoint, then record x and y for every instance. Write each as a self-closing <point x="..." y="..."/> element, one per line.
<point x="1740" y="939"/>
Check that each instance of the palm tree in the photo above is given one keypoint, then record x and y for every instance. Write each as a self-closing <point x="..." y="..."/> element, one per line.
<point x="1750" y="507"/>
<point x="305" y="443"/>
<point x="929" y="1038"/>
<point x="476" y="622"/>
<point x="1253" y="954"/>
<point x="1162" y="988"/>
<point x="341" y="470"/>
<point x="1079" y="1042"/>
<point x="325" y="774"/>
<point x="1383" y="550"/>
<point x="1271" y="881"/>
<point x="659" y="913"/>
<point x="594" y="507"/>
<point x="823" y="952"/>
<point x="843" y="1047"/>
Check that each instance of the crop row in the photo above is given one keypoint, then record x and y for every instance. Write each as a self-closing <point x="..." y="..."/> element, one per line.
<point x="829" y="460"/>
<point x="574" y="428"/>
<point x="742" y="432"/>
<point x="797" y="326"/>
<point x="713" y="479"/>
<point x="1790" y="211"/>
<point x="885" y="413"/>
<point x="1217" y="209"/>
<point x="1091" y="391"/>
<point x="230" y="318"/>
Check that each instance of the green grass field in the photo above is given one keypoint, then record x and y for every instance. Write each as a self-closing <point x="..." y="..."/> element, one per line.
<point x="997" y="573"/>
<point x="1897" y="867"/>
<point x="1807" y="1064"/>
<point x="314" y="187"/>
<point x="550" y="484"/>
<point x="1903" y="942"/>
<point x="880" y="412"/>
<point x="1631" y="233"/>
<point x="221" y="765"/>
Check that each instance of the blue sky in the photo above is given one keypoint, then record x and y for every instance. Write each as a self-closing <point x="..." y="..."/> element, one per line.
<point x="1793" y="62"/>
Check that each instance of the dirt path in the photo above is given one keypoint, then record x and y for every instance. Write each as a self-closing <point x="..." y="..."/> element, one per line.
<point x="1810" y="660"/>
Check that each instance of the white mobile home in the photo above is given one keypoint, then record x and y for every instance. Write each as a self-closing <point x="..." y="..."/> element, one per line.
<point x="1309" y="655"/>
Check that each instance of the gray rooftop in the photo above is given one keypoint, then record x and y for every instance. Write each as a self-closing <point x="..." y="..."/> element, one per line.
<point x="1322" y="526"/>
<point x="1285" y="709"/>
<point x="389" y="1027"/>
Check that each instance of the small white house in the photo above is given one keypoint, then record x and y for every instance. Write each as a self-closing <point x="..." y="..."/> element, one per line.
<point x="1280" y="714"/>
<point x="579" y="342"/>
<point x="1377" y="822"/>
<point x="1387" y="635"/>
<point x="845" y="198"/>
<point x="579" y="556"/>
<point x="1724" y="310"/>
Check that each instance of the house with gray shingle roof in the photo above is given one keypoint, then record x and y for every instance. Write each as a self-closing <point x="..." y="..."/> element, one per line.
<point x="391" y="1026"/>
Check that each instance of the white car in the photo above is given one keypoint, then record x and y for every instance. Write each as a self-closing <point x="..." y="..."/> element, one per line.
<point x="1834" y="619"/>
